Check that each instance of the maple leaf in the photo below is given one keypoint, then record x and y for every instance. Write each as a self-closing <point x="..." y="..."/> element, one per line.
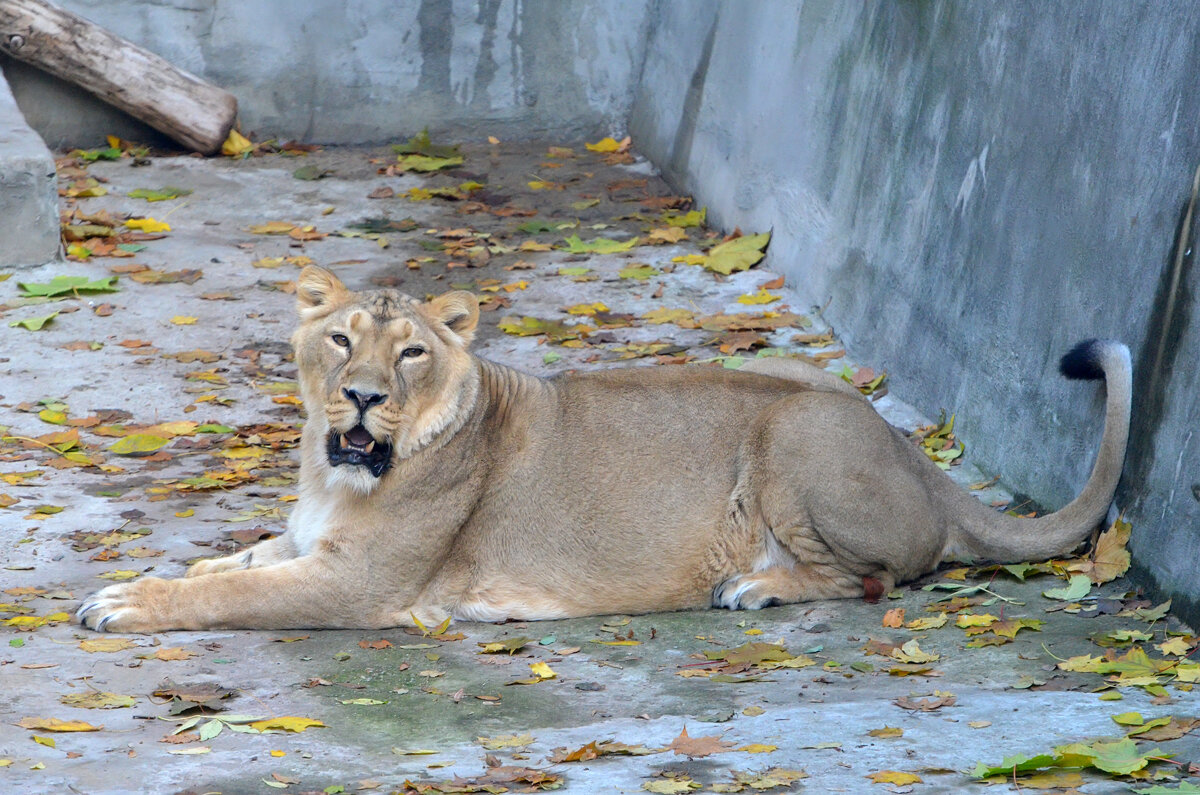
<point x="897" y="777"/>
<point x="695" y="747"/>
<point x="1110" y="559"/>
<point x="894" y="618"/>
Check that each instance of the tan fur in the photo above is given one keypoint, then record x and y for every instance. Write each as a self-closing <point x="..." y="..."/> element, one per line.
<point x="621" y="491"/>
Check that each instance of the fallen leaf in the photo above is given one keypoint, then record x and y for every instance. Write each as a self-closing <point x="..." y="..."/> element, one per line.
<point x="148" y="225"/>
<point x="505" y="741"/>
<point x="894" y="618"/>
<point x="696" y="747"/>
<point x="897" y="777"/>
<point x="56" y="725"/>
<point x="287" y="723"/>
<point x="97" y="699"/>
<point x="106" y="645"/>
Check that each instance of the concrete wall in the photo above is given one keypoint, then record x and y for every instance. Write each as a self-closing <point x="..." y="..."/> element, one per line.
<point x="360" y="71"/>
<point x="976" y="186"/>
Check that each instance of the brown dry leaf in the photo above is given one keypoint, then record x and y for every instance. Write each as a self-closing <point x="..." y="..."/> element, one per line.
<point x="894" y="618"/>
<point x="926" y="704"/>
<point x="1110" y="559"/>
<point x="177" y="739"/>
<point x="375" y="644"/>
<point x="696" y="747"/>
<point x="774" y="284"/>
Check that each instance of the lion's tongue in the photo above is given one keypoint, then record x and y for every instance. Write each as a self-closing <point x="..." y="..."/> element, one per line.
<point x="358" y="436"/>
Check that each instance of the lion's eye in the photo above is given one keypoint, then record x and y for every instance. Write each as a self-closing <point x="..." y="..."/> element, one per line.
<point x="412" y="353"/>
<point x="341" y="340"/>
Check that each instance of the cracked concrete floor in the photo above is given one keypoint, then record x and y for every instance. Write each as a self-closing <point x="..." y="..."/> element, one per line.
<point x="195" y="339"/>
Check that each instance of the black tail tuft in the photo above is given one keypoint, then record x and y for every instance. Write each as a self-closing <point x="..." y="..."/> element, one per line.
<point x="1084" y="361"/>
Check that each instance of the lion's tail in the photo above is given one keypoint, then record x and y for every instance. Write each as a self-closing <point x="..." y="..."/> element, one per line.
<point x="1005" y="538"/>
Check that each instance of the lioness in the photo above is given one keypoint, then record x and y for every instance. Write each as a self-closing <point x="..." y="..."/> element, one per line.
<point x="435" y="483"/>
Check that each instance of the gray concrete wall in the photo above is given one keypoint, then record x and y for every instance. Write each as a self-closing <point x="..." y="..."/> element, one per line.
<point x="975" y="187"/>
<point x="361" y="71"/>
<point x="28" y="191"/>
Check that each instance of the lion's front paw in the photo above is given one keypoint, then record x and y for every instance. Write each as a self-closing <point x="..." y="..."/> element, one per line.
<point x="215" y="565"/>
<point x="139" y="606"/>
<point x="743" y="592"/>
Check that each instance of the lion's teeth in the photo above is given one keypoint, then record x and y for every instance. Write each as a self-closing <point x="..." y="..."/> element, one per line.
<point x="345" y="442"/>
<point x="370" y="446"/>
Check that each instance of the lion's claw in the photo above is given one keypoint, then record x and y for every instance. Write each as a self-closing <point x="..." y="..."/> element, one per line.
<point x="122" y="607"/>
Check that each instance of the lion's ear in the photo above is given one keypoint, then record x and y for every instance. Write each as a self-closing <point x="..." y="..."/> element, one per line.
<point x="318" y="289"/>
<point x="459" y="311"/>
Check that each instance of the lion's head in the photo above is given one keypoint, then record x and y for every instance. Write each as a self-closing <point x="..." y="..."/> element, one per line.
<point x="382" y="374"/>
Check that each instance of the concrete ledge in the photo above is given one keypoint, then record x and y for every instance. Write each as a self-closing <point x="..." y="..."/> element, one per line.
<point x="28" y="191"/>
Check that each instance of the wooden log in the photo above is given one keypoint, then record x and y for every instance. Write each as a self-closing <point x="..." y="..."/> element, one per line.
<point x="195" y="113"/>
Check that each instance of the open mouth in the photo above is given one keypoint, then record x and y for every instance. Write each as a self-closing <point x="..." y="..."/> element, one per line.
<point x="358" y="448"/>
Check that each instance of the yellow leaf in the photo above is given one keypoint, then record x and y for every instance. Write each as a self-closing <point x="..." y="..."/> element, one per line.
<point x="287" y="723"/>
<point x="267" y="262"/>
<point x="1176" y="646"/>
<point x="56" y="725"/>
<point x="897" y="777"/>
<point x="586" y="309"/>
<point x="106" y="645"/>
<point x="604" y="145"/>
<point x="138" y="443"/>
<point x="148" y="225"/>
<point x="272" y="228"/>
<point x="691" y="259"/>
<point x="505" y="741"/>
<point x="965" y="620"/>
<point x="236" y="145"/>
<point x="758" y="748"/>
<point x="887" y="732"/>
<point x="737" y="254"/>
<point x="911" y="653"/>
<point x="46" y="741"/>
<point x="668" y="234"/>
<point x="542" y="671"/>
<point x="933" y="622"/>
<point x="120" y="574"/>
<point x="183" y="320"/>
<point x="186" y="514"/>
<point x="761" y="297"/>
<point x="956" y="574"/>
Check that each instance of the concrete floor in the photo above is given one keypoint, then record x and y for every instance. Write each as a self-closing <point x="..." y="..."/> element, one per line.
<point x="231" y="366"/>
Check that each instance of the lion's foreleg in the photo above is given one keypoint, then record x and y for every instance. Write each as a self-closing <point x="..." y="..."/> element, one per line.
<point x="264" y="553"/>
<point x="311" y="591"/>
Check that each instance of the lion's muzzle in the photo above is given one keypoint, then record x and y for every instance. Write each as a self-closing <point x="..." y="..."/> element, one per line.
<point x="357" y="447"/>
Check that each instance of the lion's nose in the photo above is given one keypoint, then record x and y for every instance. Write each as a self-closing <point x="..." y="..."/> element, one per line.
<point x="363" y="400"/>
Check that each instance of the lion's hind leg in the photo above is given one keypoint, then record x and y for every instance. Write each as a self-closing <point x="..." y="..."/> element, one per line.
<point x="800" y="582"/>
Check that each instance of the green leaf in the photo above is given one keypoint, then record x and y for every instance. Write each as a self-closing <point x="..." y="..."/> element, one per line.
<point x="421" y="145"/>
<point x="599" y="245"/>
<point x="1079" y="587"/>
<point x="92" y="155"/>
<point x="69" y="285"/>
<point x="213" y="428"/>
<point x="1019" y="763"/>
<point x="737" y="254"/>
<point x="210" y="730"/>
<point x="535" y="227"/>
<point x="34" y="323"/>
<point x="310" y="173"/>
<point x="138" y="443"/>
<point x="640" y="272"/>
<point x="1120" y="758"/>
<point x="426" y="164"/>
<point x="159" y="194"/>
<point x="693" y="218"/>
